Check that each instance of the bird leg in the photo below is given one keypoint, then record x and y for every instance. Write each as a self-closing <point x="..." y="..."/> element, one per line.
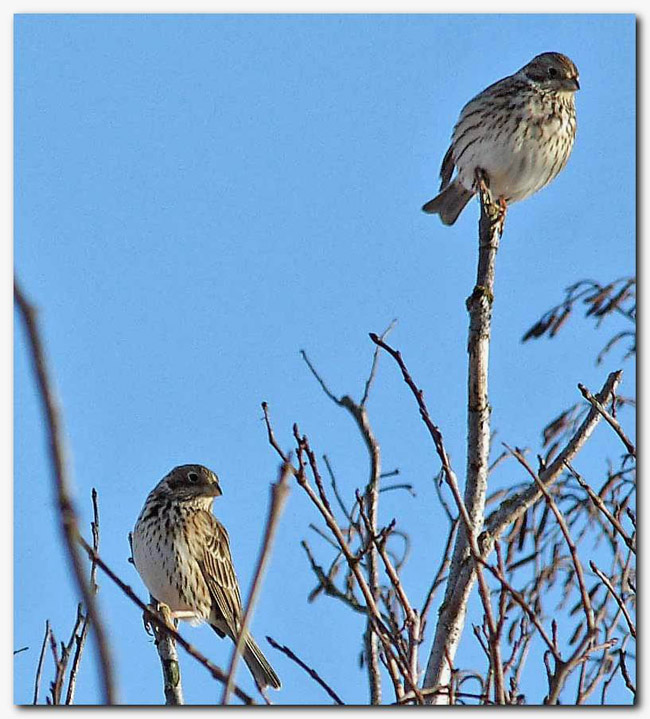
<point x="483" y="185"/>
<point x="503" y="207"/>
<point x="167" y="615"/>
<point x="494" y="211"/>
<point x="161" y="609"/>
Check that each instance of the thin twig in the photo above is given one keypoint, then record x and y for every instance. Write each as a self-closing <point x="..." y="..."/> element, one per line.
<point x="502" y="517"/>
<point x="410" y="615"/>
<point x="81" y="639"/>
<point x="440" y="574"/>
<point x="312" y="672"/>
<point x="375" y="362"/>
<point x="378" y="625"/>
<point x="41" y="658"/>
<point x="68" y="522"/>
<point x="586" y="601"/>
<point x="328" y="586"/>
<point x="55" y="686"/>
<point x="271" y="435"/>
<point x="335" y="489"/>
<point x="598" y="501"/>
<point x="617" y="598"/>
<point x="614" y="424"/>
<point x="519" y="598"/>
<point x="279" y="495"/>
<point x="626" y="676"/>
<point x="61" y="662"/>
<point x="360" y="415"/>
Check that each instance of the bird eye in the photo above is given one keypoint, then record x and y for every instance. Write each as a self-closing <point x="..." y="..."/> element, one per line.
<point x="552" y="72"/>
<point x="192" y="476"/>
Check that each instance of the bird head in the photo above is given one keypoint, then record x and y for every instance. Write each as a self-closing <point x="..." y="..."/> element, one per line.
<point x="553" y="71"/>
<point x="191" y="481"/>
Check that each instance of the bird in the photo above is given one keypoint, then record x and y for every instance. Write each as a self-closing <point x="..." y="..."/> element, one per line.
<point x="519" y="132"/>
<point x="182" y="553"/>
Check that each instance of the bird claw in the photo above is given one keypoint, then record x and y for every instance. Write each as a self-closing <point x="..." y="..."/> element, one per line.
<point x="148" y="627"/>
<point x="501" y="214"/>
<point x="496" y="210"/>
<point x="483" y="184"/>
<point x="163" y="611"/>
<point x="167" y="615"/>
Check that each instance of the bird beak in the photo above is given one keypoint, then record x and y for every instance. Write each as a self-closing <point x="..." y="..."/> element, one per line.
<point x="216" y="491"/>
<point x="573" y="84"/>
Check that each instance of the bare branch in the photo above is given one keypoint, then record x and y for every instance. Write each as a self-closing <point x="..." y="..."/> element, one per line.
<point x="515" y="506"/>
<point x="360" y="415"/>
<point x="597" y="500"/>
<point x="440" y="574"/>
<point x="376" y="621"/>
<point x="614" y="424"/>
<point x="312" y="672"/>
<point x="375" y="361"/>
<point x="617" y="597"/>
<point x="279" y="495"/>
<point x="412" y="620"/>
<point x="586" y="601"/>
<point x="272" y="440"/>
<point x="41" y="658"/>
<point x="68" y="522"/>
<point x="81" y="639"/>
<point x="626" y="676"/>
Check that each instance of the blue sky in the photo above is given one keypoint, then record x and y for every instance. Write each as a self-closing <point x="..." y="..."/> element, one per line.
<point x="197" y="198"/>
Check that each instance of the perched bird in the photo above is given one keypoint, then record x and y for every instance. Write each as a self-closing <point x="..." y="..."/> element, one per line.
<point x="183" y="555"/>
<point x="519" y="131"/>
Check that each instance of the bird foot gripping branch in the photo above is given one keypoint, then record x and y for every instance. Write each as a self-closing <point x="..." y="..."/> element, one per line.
<point x="161" y="610"/>
<point x="494" y="211"/>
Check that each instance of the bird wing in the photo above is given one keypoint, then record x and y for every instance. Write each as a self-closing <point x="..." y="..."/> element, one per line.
<point x="219" y="573"/>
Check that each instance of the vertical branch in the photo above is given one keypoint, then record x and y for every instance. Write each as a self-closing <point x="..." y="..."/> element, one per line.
<point x="360" y="415"/>
<point x="279" y="494"/>
<point x="41" y="659"/>
<point x="168" y="655"/>
<point x="453" y="610"/>
<point x="67" y="514"/>
<point x="371" y="608"/>
<point x="479" y="306"/>
<point x="81" y="638"/>
<point x="372" y="499"/>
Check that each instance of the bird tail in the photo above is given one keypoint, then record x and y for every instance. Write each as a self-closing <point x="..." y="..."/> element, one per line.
<point x="256" y="662"/>
<point x="259" y="666"/>
<point x="449" y="203"/>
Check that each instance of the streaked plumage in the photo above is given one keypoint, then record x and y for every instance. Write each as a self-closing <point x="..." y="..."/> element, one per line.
<point x="183" y="555"/>
<point x="520" y="131"/>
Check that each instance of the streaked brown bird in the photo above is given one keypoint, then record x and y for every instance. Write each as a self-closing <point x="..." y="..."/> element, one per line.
<point x="183" y="555"/>
<point x="519" y="131"/>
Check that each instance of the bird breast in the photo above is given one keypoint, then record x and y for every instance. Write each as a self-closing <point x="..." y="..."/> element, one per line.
<point x="170" y="572"/>
<point x="521" y="150"/>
